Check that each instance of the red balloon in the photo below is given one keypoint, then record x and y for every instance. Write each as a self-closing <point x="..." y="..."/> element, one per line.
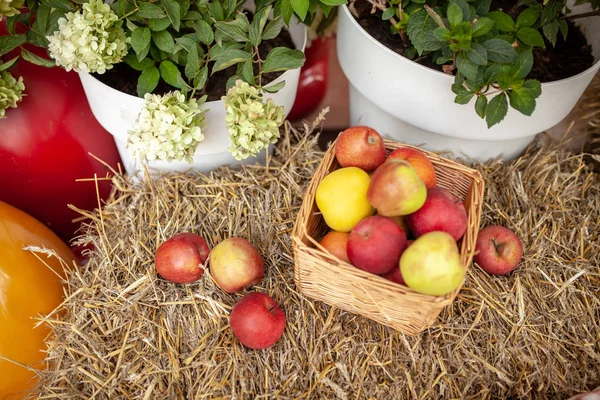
<point x="44" y="145"/>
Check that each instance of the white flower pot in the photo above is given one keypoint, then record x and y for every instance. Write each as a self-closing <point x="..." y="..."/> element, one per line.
<point x="117" y="111"/>
<point x="414" y="104"/>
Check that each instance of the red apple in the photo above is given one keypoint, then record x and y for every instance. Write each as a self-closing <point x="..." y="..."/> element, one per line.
<point x="360" y="146"/>
<point x="236" y="264"/>
<point x="442" y="211"/>
<point x="376" y="244"/>
<point x="335" y="243"/>
<point x="396" y="189"/>
<point x="257" y="321"/>
<point x="395" y="275"/>
<point x="419" y="161"/>
<point x="498" y="250"/>
<point x="181" y="258"/>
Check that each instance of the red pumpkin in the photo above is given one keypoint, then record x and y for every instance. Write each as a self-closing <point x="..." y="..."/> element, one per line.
<point x="30" y="287"/>
<point x="44" y="145"/>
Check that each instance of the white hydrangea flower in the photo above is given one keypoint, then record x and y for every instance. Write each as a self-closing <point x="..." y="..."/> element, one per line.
<point x="11" y="91"/>
<point x="252" y="123"/>
<point x="168" y="128"/>
<point x="10" y="7"/>
<point x="90" y="40"/>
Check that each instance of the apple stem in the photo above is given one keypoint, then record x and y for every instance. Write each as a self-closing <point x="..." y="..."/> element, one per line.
<point x="498" y="247"/>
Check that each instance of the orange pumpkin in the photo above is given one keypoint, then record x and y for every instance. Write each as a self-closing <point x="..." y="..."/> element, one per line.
<point x="28" y="289"/>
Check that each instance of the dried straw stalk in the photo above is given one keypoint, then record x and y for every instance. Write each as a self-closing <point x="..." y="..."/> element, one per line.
<point x="127" y="334"/>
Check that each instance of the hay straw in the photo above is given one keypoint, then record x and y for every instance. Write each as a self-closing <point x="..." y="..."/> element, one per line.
<point x="128" y="334"/>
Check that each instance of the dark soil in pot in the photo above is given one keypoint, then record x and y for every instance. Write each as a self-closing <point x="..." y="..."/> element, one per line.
<point x="566" y="59"/>
<point x="124" y="78"/>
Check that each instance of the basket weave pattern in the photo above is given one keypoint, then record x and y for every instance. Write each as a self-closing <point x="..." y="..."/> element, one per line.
<point x="321" y="276"/>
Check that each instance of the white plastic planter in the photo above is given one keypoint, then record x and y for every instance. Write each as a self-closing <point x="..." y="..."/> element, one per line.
<point x="414" y="104"/>
<point x="117" y="111"/>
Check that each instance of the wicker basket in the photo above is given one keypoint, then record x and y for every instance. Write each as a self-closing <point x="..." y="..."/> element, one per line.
<point x="322" y="276"/>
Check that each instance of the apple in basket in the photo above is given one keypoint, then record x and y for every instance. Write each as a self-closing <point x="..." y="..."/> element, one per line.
<point x="431" y="265"/>
<point x="257" y="321"/>
<point x="360" y="146"/>
<point x="396" y="189"/>
<point x="375" y="244"/>
<point x="442" y="211"/>
<point x="236" y="264"/>
<point x="181" y="258"/>
<point x="498" y="250"/>
<point x="419" y="161"/>
<point x="336" y="243"/>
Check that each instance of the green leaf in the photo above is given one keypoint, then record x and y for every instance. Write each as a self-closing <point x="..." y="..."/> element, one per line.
<point x="42" y="15"/>
<point x="173" y="13"/>
<point x="216" y="10"/>
<point x="164" y="41"/>
<point x="63" y="5"/>
<point x="523" y="64"/>
<point x="491" y="73"/>
<point x="228" y="7"/>
<point x="478" y="54"/>
<point x="9" y="64"/>
<point x="8" y="43"/>
<point x="204" y="32"/>
<point x="149" y="10"/>
<point x="500" y="51"/>
<point x="482" y="7"/>
<point x="388" y="13"/>
<point x="496" y="110"/>
<point x="134" y="63"/>
<point x="274" y="88"/>
<point x="159" y="24"/>
<point x="482" y="26"/>
<point x="201" y="78"/>
<point x="480" y="105"/>
<point x="463" y="97"/>
<point x="247" y="72"/>
<point x="170" y="74"/>
<point x="534" y="86"/>
<point x="140" y="39"/>
<point x="230" y="57"/>
<point x="564" y="28"/>
<point x="455" y="15"/>
<point x="273" y="29"/>
<point x="284" y="7"/>
<point x="192" y="16"/>
<point x="502" y="21"/>
<point x="186" y="42"/>
<point x="530" y="37"/>
<point x="35" y="59"/>
<point x="283" y="59"/>
<point x="522" y="100"/>
<point x="466" y="67"/>
<point x="193" y="63"/>
<point x="334" y="3"/>
<point x="233" y="30"/>
<point x="300" y="7"/>
<point x="551" y="31"/>
<point x="420" y="32"/>
<point x="216" y="51"/>
<point x="442" y="34"/>
<point x="258" y="25"/>
<point x="148" y="81"/>
<point x="528" y="17"/>
<point x="464" y="7"/>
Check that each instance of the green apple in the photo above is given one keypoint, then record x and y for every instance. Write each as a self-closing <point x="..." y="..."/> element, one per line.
<point x="431" y="265"/>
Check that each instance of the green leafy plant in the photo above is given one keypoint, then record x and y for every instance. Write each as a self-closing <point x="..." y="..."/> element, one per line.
<point x="490" y="53"/>
<point x="179" y="44"/>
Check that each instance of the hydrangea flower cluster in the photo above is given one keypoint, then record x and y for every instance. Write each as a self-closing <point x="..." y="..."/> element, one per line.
<point x="252" y="123"/>
<point x="90" y="40"/>
<point x="10" y="7"/>
<point x="11" y="91"/>
<point x="168" y="128"/>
